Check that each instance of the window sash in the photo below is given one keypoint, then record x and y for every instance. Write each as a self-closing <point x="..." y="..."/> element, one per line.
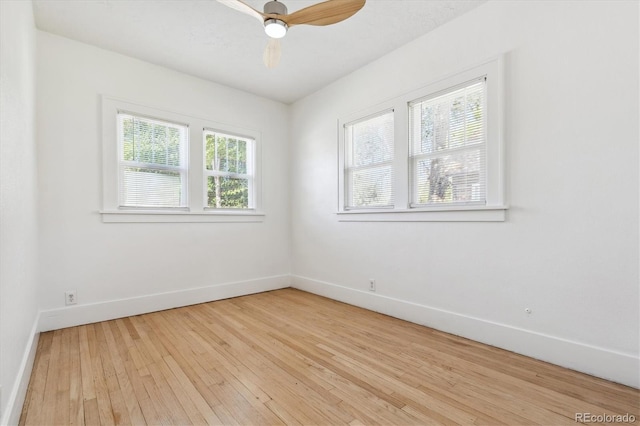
<point x="448" y="191"/>
<point x="350" y="172"/>
<point x="228" y="174"/>
<point x="154" y="166"/>
<point x="144" y="187"/>
<point x="473" y="187"/>
<point x="143" y="191"/>
<point x="249" y="176"/>
<point x="384" y="159"/>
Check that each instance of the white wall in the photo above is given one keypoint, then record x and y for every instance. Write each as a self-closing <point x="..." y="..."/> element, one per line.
<point x="569" y="248"/>
<point x="18" y="200"/>
<point x="119" y="266"/>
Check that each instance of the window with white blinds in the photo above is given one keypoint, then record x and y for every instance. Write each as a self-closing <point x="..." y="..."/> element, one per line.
<point x="152" y="162"/>
<point x="434" y="154"/>
<point x="162" y="166"/>
<point x="229" y="170"/>
<point x="448" y="147"/>
<point x="369" y="147"/>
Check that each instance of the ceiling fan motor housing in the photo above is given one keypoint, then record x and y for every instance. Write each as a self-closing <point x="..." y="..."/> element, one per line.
<point x="275" y="7"/>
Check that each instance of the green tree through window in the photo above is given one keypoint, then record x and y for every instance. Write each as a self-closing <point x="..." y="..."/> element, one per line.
<point x="449" y="153"/>
<point x="152" y="173"/>
<point x="228" y="168"/>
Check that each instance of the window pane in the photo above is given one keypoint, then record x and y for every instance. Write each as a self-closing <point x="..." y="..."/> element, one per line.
<point x="150" y="188"/>
<point x="241" y="165"/>
<point x="226" y="192"/>
<point x="450" y="121"/>
<point x="372" y="140"/>
<point x="448" y="146"/>
<point x="230" y="157"/>
<point x="151" y="141"/>
<point x="456" y="178"/>
<point x="226" y="153"/>
<point x="158" y="147"/>
<point x="371" y="187"/>
<point x="126" y="136"/>
<point x="369" y="146"/>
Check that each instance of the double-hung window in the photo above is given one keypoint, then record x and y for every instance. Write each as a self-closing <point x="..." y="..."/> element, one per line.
<point x="229" y="170"/>
<point x="152" y="162"/>
<point x="161" y="166"/>
<point x="435" y="154"/>
<point x="447" y="143"/>
<point x="369" y="162"/>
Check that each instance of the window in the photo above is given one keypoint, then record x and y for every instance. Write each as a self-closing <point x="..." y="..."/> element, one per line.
<point x="152" y="162"/>
<point x="447" y="147"/>
<point x="229" y="171"/>
<point x="435" y="154"/>
<point x="369" y="166"/>
<point x="160" y="166"/>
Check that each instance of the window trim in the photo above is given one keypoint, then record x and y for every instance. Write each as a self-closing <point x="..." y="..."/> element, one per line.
<point x="196" y="209"/>
<point x="183" y="169"/>
<point x="251" y="166"/>
<point x="349" y="170"/>
<point x="414" y="159"/>
<point x="402" y="211"/>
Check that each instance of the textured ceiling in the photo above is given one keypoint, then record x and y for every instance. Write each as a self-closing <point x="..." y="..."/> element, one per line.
<point x="207" y="39"/>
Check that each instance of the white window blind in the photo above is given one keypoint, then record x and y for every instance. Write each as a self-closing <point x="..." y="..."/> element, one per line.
<point x="229" y="171"/>
<point x="369" y="151"/>
<point x="448" y="146"/>
<point x="152" y="162"/>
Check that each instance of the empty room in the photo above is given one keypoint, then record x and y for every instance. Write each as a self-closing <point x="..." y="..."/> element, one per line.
<point x="380" y="212"/>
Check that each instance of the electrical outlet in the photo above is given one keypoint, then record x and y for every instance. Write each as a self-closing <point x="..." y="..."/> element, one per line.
<point x="372" y="285"/>
<point x="70" y="297"/>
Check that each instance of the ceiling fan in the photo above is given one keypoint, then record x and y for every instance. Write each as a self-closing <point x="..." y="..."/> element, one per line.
<point x="276" y="21"/>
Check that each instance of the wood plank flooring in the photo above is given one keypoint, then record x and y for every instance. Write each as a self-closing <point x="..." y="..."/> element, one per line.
<point x="289" y="357"/>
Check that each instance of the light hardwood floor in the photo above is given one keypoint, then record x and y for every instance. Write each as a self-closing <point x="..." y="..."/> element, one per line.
<point x="289" y="357"/>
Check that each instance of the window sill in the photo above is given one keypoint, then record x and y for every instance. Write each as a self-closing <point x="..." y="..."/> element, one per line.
<point x="447" y="214"/>
<point x="159" y="216"/>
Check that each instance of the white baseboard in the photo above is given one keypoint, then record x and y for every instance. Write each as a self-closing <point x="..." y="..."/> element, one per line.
<point x="11" y="415"/>
<point x="611" y="365"/>
<point x="86" y="314"/>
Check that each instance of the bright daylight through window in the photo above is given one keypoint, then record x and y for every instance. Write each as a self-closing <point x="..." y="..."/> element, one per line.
<point x="432" y="154"/>
<point x="152" y="162"/>
<point x="161" y="166"/>
<point x="229" y="171"/>
<point x="447" y="142"/>
<point x="368" y="164"/>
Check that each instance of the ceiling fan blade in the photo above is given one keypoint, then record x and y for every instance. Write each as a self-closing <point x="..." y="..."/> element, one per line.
<point x="241" y="6"/>
<point x="325" y="13"/>
<point x="272" y="53"/>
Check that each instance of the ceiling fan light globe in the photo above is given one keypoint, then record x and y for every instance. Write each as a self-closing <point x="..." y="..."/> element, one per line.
<point x="275" y="28"/>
